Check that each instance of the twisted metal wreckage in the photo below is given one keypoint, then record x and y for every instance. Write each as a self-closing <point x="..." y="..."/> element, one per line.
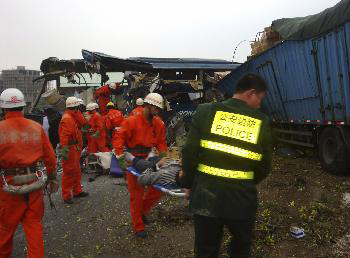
<point x="184" y="82"/>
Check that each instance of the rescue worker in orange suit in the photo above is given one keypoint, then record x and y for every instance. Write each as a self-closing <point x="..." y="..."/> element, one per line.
<point x="83" y="123"/>
<point x="106" y="140"/>
<point x="139" y="134"/>
<point x="103" y="96"/>
<point x="97" y="134"/>
<point x="23" y="143"/>
<point x="114" y="119"/>
<point x="138" y="109"/>
<point x="71" y="143"/>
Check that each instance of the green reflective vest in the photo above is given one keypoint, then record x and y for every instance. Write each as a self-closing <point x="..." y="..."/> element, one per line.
<point x="227" y="152"/>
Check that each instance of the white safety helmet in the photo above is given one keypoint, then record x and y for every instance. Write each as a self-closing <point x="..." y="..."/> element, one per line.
<point x="81" y="102"/>
<point x="91" y="106"/>
<point x="112" y="86"/>
<point x="154" y="99"/>
<point x="96" y="105"/>
<point x="139" y="102"/>
<point x="12" y="98"/>
<point x="72" y="102"/>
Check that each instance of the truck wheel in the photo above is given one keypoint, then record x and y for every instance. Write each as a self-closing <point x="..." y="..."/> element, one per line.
<point x="333" y="153"/>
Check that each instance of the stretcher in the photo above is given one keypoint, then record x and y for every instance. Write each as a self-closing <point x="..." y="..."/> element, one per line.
<point x="171" y="189"/>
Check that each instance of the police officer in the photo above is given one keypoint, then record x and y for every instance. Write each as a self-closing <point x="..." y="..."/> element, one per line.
<point x="227" y="153"/>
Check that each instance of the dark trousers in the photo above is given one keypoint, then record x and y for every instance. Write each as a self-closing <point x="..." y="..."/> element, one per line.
<point x="209" y="232"/>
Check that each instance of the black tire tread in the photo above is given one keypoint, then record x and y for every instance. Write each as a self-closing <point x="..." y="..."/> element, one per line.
<point x="340" y="164"/>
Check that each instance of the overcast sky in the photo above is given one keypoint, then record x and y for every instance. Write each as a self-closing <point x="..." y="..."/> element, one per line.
<point x="32" y="30"/>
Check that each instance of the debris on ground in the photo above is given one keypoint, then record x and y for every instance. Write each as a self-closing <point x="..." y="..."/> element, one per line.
<point x="297" y="193"/>
<point x="342" y="246"/>
<point x="346" y="199"/>
<point x="289" y="151"/>
<point x="297" y="232"/>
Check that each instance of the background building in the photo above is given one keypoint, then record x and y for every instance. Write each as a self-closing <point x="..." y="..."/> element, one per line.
<point x="21" y="79"/>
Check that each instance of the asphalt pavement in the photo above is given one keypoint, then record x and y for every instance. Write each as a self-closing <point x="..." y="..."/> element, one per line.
<point x="100" y="225"/>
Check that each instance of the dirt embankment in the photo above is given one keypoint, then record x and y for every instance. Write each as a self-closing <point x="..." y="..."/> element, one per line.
<point x="298" y="193"/>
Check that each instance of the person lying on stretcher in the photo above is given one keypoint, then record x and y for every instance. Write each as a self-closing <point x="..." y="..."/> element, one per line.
<point x="156" y="170"/>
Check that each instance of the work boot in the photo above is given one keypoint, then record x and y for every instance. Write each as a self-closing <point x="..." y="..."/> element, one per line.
<point x="81" y="195"/>
<point x="68" y="201"/>
<point x="145" y="220"/>
<point x="141" y="234"/>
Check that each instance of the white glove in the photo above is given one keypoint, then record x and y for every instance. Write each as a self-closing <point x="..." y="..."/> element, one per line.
<point x="128" y="156"/>
<point x="115" y="154"/>
<point x="151" y="154"/>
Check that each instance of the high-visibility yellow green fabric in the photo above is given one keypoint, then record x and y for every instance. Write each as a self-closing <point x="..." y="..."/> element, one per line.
<point x="227" y="152"/>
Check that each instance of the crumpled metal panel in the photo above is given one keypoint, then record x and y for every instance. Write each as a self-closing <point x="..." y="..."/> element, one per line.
<point x="112" y="63"/>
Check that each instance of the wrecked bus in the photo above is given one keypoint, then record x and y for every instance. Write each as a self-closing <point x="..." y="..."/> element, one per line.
<point x="184" y="82"/>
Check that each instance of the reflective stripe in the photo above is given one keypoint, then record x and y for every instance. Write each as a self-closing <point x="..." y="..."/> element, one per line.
<point x="225" y="173"/>
<point x="231" y="150"/>
<point x="236" y="126"/>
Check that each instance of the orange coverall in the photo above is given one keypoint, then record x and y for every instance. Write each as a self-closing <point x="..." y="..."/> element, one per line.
<point x="114" y="119"/>
<point x="136" y="111"/>
<point x="23" y="143"/>
<point x="81" y="120"/>
<point x="105" y="133"/>
<point x="102" y="96"/>
<point x="70" y="136"/>
<point x="98" y="144"/>
<point x="136" y="131"/>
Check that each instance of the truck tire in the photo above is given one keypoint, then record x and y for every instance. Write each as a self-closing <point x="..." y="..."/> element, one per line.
<point x="333" y="152"/>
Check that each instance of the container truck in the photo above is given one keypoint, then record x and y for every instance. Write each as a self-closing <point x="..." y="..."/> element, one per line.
<point x="308" y="75"/>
